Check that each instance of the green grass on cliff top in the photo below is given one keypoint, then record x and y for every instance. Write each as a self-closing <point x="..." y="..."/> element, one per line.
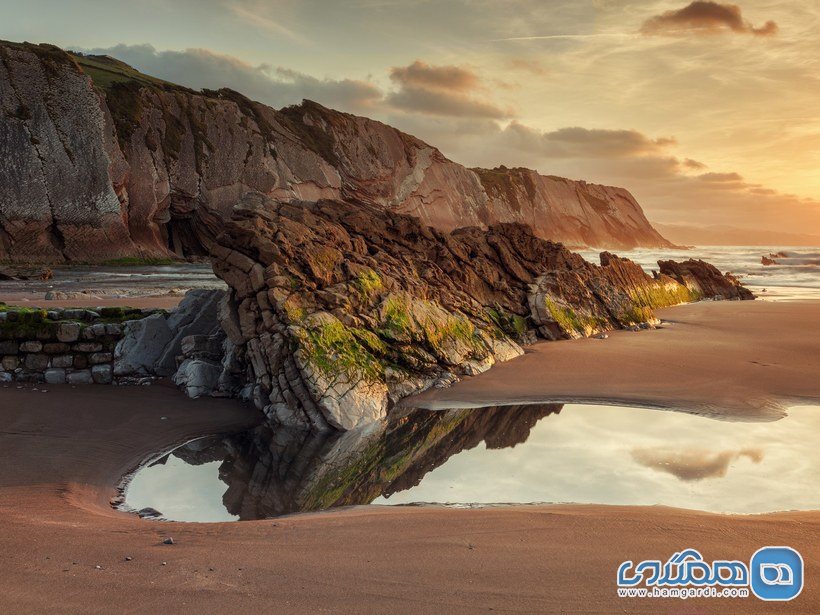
<point x="106" y="71"/>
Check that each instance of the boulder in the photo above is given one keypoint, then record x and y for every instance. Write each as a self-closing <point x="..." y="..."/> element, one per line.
<point x="62" y="361"/>
<point x="197" y="377"/>
<point x="31" y="346"/>
<point x="68" y="332"/>
<point x="36" y="362"/>
<point x="143" y="343"/>
<point x="196" y="315"/>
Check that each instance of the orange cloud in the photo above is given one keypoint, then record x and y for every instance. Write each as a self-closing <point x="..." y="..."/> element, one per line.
<point x="421" y="74"/>
<point x="442" y="91"/>
<point x="705" y="17"/>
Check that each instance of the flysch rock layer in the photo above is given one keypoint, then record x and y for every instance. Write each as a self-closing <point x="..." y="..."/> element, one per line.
<point x="99" y="161"/>
<point x="340" y="309"/>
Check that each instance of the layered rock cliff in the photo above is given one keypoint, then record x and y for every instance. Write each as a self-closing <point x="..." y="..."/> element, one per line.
<point x="100" y="161"/>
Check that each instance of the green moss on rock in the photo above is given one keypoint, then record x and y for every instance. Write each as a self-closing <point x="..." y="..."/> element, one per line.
<point x="333" y="348"/>
<point x="571" y="321"/>
<point x="368" y="283"/>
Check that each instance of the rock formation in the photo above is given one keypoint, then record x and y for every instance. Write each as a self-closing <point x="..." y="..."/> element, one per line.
<point x="705" y="280"/>
<point x="98" y="161"/>
<point x="363" y="265"/>
<point x="341" y="309"/>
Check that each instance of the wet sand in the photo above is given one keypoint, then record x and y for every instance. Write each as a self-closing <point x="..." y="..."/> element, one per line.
<point x="62" y="453"/>
<point x="732" y="360"/>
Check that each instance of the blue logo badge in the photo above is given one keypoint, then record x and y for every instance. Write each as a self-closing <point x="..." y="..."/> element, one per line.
<point x="776" y="573"/>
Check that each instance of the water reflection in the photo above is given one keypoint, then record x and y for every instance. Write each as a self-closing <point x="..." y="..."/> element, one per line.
<point x="513" y="454"/>
<point x="692" y="464"/>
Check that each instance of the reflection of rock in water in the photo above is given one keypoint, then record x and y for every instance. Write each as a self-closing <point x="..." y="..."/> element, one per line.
<point x="271" y="472"/>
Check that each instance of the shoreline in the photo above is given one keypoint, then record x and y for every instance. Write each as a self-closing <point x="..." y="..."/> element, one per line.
<point x="727" y="360"/>
<point x="62" y="454"/>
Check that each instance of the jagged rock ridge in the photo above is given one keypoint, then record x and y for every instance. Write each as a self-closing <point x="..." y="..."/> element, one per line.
<point x="100" y="161"/>
<point x="340" y="309"/>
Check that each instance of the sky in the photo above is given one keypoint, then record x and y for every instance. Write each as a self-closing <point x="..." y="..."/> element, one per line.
<point x="708" y="112"/>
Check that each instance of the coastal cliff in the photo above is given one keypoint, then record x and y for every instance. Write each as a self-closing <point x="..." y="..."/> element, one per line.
<point x="100" y="161"/>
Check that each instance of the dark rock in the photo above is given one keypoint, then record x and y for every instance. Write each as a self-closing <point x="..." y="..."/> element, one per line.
<point x="100" y="357"/>
<point x="87" y="347"/>
<point x="36" y="362"/>
<point x="55" y="348"/>
<point x="705" y="279"/>
<point x="8" y="347"/>
<point x="55" y="376"/>
<point x="68" y="332"/>
<point x="149" y="513"/>
<point x="80" y="377"/>
<point x="102" y="374"/>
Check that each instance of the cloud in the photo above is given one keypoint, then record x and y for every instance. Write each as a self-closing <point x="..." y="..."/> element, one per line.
<point x="692" y="465"/>
<point x="447" y="78"/>
<point x="275" y="86"/>
<point x="721" y="178"/>
<point x="577" y="142"/>
<point x="693" y="164"/>
<point x="705" y="17"/>
<point x="441" y="91"/>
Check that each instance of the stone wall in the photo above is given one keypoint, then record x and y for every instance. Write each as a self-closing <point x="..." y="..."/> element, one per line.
<point x="61" y="346"/>
<point x="115" y="345"/>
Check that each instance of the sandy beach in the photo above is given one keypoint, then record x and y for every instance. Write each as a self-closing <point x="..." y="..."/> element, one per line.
<point x="729" y="360"/>
<point x="64" y="547"/>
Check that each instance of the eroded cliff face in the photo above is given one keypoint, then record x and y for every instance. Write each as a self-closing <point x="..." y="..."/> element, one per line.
<point x="57" y="200"/>
<point x="573" y="212"/>
<point x="100" y="161"/>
